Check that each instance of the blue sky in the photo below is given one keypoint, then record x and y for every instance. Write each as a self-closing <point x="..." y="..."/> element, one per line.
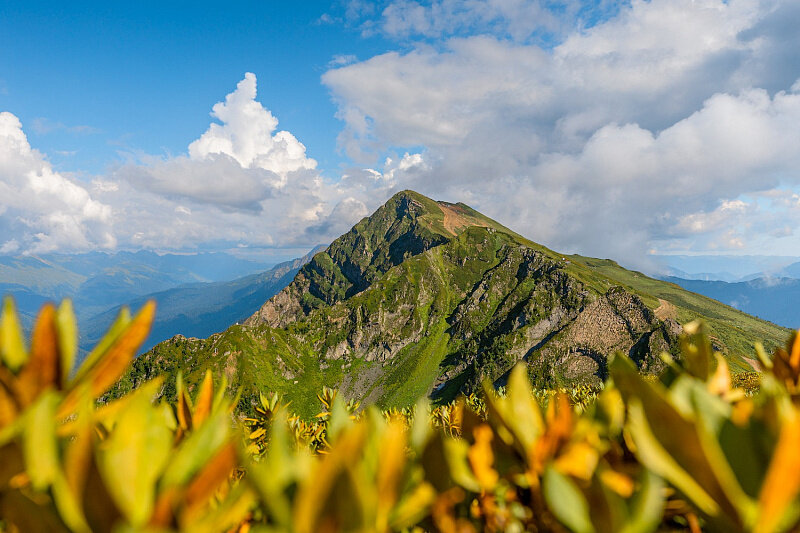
<point x="619" y="129"/>
<point x="100" y="77"/>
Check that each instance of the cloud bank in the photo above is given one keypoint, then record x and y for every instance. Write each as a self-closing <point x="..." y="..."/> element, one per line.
<point x="667" y="125"/>
<point x="640" y="132"/>
<point x="241" y="183"/>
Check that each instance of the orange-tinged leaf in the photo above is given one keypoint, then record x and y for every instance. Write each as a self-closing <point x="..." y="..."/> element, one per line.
<point x="203" y="402"/>
<point x="208" y="480"/>
<point x="578" y="460"/>
<point x="782" y="482"/>
<point x="720" y="382"/>
<point x="183" y="408"/>
<point x="114" y="362"/>
<point x="390" y="471"/>
<point x="116" y="329"/>
<point x="8" y="408"/>
<point x="481" y="457"/>
<point x="794" y="359"/>
<point x="43" y="368"/>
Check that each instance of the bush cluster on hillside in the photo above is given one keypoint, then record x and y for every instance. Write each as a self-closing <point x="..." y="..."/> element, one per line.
<point x="689" y="450"/>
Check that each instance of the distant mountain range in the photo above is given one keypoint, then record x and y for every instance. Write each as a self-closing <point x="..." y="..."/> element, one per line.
<point x="427" y="297"/>
<point x="97" y="281"/>
<point x="774" y="299"/>
<point x="200" y="309"/>
<point x="729" y="268"/>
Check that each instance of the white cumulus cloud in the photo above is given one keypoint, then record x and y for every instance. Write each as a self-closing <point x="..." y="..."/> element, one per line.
<point x="43" y="210"/>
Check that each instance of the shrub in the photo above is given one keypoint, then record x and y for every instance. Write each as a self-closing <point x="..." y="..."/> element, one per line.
<point x="690" y="449"/>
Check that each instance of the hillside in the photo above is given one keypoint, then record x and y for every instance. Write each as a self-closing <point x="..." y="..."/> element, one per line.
<point x="427" y="297"/>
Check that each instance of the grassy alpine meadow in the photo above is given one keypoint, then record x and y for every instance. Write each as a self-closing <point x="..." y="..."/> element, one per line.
<point x="692" y="449"/>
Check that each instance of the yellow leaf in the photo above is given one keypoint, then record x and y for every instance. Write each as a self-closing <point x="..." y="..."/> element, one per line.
<point x="390" y="471"/>
<point x="618" y="482"/>
<point x="134" y="456"/>
<point x="122" y="321"/>
<point x="578" y="460"/>
<point x="12" y="346"/>
<point x="67" y="338"/>
<point x="481" y="457"/>
<point x="39" y="441"/>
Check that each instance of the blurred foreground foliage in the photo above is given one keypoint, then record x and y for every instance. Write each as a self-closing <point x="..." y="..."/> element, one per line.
<point x="696" y="449"/>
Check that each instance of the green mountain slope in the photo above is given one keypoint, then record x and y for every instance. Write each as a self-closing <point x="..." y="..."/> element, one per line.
<point x="427" y="297"/>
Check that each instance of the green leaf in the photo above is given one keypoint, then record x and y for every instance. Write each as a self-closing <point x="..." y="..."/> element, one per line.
<point x="197" y="449"/>
<point x="647" y="506"/>
<point x="679" y="448"/>
<point x="12" y="345"/>
<point x="133" y="457"/>
<point x="566" y="501"/>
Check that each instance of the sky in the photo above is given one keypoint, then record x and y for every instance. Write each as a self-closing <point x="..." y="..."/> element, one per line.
<point x="611" y="129"/>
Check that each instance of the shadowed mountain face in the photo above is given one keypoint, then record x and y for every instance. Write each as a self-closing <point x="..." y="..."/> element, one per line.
<point x="428" y="297"/>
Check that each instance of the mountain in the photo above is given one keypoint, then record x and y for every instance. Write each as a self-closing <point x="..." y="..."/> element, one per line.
<point x="201" y="309"/>
<point x="773" y="299"/>
<point x="97" y="281"/>
<point x="730" y="268"/>
<point x="427" y="297"/>
<point x="789" y="271"/>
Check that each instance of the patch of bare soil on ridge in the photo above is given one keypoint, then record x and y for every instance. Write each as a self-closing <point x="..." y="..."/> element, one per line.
<point x="666" y="310"/>
<point x="453" y="220"/>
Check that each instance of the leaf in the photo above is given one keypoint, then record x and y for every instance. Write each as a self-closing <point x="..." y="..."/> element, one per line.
<point x="782" y="483"/>
<point x="134" y="456"/>
<point x="43" y="368"/>
<point x="566" y="501"/>
<point x="647" y="506"/>
<point x="331" y="499"/>
<point x="183" y="408"/>
<point x="120" y="324"/>
<point x="108" y="369"/>
<point x="679" y="449"/>
<point x="70" y="485"/>
<point x="227" y="516"/>
<point x="204" y="400"/>
<point x="39" y="443"/>
<point x="391" y="464"/>
<point x="67" y="327"/>
<point x="481" y="457"/>
<point x="12" y="345"/>
<point x="196" y="450"/>
<point x="696" y="349"/>
<point x="525" y="414"/>
<point x="209" y="479"/>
